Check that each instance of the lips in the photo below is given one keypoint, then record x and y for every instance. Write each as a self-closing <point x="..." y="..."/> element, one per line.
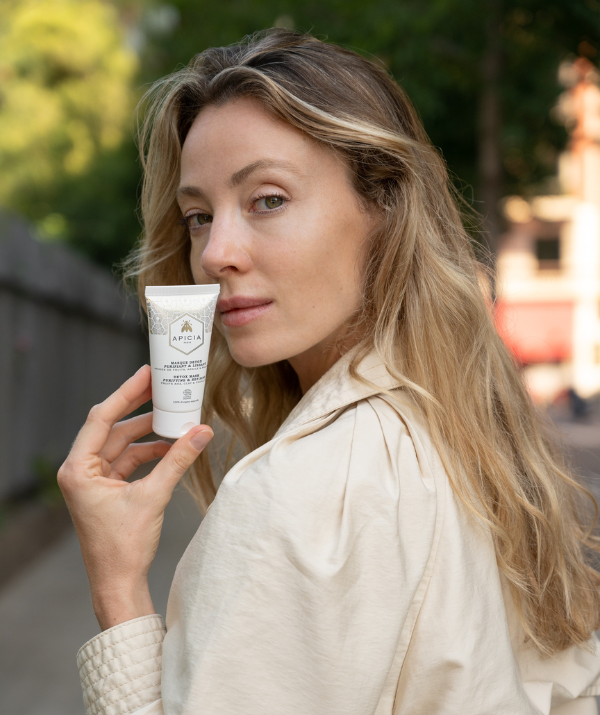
<point x="237" y="302"/>
<point x="240" y="310"/>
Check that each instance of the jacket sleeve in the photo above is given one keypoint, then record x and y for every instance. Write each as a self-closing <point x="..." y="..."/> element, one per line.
<point x="120" y="669"/>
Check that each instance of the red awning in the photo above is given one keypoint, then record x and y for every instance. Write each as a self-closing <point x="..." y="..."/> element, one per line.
<point x="537" y="332"/>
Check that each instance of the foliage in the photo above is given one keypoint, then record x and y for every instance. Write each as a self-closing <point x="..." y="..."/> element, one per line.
<point x="66" y="105"/>
<point x="67" y="157"/>
<point x="435" y="49"/>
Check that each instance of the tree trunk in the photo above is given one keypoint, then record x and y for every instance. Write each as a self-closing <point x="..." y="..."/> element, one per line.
<point x="489" y="150"/>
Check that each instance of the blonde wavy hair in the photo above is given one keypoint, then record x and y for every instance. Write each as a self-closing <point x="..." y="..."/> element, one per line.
<point x="423" y="311"/>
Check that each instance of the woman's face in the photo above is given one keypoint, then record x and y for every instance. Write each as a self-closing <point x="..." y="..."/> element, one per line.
<point x="274" y="220"/>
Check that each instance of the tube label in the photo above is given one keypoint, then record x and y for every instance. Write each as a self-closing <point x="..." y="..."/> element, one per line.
<point x="180" y="325"/>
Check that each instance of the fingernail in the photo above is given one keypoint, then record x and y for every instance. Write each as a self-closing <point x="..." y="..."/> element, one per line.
<point x="200" y="440"/>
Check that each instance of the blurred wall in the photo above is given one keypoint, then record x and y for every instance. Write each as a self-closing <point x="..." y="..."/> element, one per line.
<point x="69" y="336"/>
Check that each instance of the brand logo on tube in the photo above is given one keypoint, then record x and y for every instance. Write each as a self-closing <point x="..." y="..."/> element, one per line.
<point x="186" y="334"/>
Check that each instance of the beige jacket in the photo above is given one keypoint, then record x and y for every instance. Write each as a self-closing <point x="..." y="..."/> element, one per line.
<point x="336" y="574"/>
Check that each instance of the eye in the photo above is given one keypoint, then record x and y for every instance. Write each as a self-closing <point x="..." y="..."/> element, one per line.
<point x="273" y="202"/>
<point x="268" y="203"/>
<point x="196" y="220"/>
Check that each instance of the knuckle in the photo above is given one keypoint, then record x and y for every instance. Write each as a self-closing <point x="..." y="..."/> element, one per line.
<point x="94" y="413"/>
<point x="180" y="462"/>
<point x="63" y="476"/>
<point x="98" y="415"/>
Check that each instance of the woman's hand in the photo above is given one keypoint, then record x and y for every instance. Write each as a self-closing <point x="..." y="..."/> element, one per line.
<point x="118" y="523"/>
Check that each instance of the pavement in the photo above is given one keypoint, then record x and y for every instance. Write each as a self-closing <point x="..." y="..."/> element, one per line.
<point x="46" y="616"/>
<point x="46" y="613"/>
<point x="581" y="441"/>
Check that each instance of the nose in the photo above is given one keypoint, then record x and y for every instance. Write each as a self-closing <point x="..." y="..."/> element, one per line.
<point x="227" y="249"/>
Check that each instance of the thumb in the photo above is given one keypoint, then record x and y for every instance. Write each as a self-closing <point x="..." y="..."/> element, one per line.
<point x="180" y="458"/>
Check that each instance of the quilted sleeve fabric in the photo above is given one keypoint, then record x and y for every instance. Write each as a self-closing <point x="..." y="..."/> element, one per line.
<point x="120" y="669"/>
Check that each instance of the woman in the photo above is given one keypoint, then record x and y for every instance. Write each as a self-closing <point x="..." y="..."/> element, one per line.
<point x="401" y="536"/>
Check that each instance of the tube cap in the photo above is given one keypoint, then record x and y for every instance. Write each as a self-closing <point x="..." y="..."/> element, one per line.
<point x="174" y="424"/>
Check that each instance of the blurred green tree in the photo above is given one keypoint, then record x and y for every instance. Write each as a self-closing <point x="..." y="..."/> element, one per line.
<point x="482" y="74"/>
<point x="66" y="104"/>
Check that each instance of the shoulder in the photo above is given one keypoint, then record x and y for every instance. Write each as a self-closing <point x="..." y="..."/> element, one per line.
<point x="345" y="491"/>
<point x="367" y="437"/>
<point x="372" y="425"/>
<point x="359" y="463"/>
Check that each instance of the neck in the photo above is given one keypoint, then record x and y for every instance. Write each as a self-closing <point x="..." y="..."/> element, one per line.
<point x="311" y="365"/>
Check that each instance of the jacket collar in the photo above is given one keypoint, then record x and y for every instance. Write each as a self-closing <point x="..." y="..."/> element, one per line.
<point x="338" y="389"/>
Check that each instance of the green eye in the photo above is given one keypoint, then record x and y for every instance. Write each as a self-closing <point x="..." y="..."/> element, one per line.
<point x="268" y="203"/>
<point x="273" y="202"/>
<point x="198" y="220"/>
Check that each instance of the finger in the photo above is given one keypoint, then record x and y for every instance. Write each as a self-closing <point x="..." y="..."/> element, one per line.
<point x="179" y="459"/>
<point x="101" y="419"/>
<point x="124" y="433"/>
<point x="135" y="455"/>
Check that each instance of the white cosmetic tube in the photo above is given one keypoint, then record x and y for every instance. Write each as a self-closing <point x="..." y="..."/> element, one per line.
<point x="180" y="322"/>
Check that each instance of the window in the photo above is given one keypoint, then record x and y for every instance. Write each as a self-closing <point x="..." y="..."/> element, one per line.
<point x="547" y="252"/>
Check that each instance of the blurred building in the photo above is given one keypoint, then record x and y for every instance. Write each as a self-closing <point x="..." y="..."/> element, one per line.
<point x="549" y="260"/>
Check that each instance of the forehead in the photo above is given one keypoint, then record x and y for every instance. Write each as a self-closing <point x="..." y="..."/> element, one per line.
<point x="239" y="109"/>
<point x="225" y="138"/>
<point x="239" y="123"/>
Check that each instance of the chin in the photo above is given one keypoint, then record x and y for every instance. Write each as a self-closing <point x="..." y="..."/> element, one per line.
<point x="250" y="355"/>
<point x="256" y="353"/>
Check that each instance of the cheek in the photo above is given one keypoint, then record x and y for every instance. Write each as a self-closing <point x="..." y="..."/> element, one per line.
<point x="196" y="264"/>
<point x="329" y="263"/>
<point x="321" y="281"/>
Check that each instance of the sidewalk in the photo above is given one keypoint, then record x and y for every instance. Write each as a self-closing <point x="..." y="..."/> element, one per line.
<point x="582" y="442"/>
<point x="46" y="614"/>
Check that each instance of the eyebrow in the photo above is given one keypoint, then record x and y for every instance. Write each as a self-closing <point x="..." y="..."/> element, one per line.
<point x="239" y="176"/>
